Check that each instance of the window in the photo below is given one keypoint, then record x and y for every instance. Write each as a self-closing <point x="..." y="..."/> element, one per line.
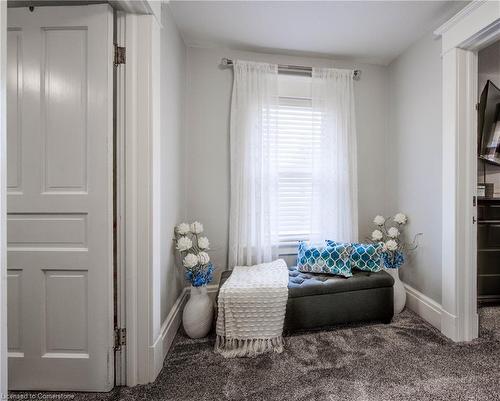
<point x="298" y="140"/>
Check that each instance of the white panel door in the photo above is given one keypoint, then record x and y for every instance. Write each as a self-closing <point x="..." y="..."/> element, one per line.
<point x="60" y="215"/>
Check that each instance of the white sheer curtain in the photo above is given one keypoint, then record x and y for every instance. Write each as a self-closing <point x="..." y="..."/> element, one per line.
<point x="253" y="233"/>
<point x="334" y="211"/>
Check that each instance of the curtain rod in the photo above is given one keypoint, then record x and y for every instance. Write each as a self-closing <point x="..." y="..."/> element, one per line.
<point x="292" y="69"/>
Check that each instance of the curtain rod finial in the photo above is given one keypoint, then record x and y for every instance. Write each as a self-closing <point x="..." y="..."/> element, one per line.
<point x="226" y="62"/>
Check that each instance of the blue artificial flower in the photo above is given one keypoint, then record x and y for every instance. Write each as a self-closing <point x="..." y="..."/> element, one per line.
<point x="198" y="281"/>
<point x="393" y="260"/>
<point x="201" y="277"/>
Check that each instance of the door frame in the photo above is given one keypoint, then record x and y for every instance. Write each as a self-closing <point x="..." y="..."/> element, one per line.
<point x="3" y="200"/>
<point x="141" y="142"/>
<point x="473" y="28"/>
<point x="138" y="25"/>
<point x="120" y="201"/>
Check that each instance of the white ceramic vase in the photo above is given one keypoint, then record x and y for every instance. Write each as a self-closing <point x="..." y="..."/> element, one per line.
<point x="399" y="291"/>
<point x="198" y="313"/>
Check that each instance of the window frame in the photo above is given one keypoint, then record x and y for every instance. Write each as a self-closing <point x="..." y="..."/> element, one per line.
<point x="294" y="91"/>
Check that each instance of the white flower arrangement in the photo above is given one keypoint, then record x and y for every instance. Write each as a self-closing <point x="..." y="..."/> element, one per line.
<point x="192" y="247"/>
<point x="203" y="258"/>
<point x="393" y="232"/>
<point x="400" y="218"/>
<point x="391" y="245"/>
<point x="197" y="227"/>
<point x="203" y="243"/>
<point x="190" y="260"/>
<point x="182" y="228"/>
<point x="184" y="243"/>
<point x="391" y="237"/>
<point x="377" y="235"/>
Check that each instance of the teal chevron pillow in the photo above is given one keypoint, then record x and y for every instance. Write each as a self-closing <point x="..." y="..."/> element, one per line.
<point x="329" y="259"/>
<point x="365" y="257"/>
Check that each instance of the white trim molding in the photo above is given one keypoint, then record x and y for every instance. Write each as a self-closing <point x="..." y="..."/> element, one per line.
<point x="425" y="307"/>
<point x="462" y="36"/>
<point x="459" y="16"/>
<point x="143" y="7"/>
<point x="141" y="242"/>
<point x="120" y="175"/>
<point x="3" y="200"/>
<point x="169" y="328"/>
<point x="469" y="22"/>
<point x="459" y="294"/>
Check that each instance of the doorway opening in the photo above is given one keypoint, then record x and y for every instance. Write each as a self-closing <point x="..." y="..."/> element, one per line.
<point x="488" y="189"/>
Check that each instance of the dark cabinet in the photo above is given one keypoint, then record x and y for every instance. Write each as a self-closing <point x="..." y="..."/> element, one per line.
<point x="488" y="250"/>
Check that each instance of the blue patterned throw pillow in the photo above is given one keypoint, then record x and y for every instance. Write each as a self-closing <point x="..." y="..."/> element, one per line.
<point x="364" y="257"/>
<point x="329" y="259"/>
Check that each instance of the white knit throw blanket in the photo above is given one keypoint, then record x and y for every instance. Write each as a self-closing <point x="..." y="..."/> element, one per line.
<point x="252" y="306"/>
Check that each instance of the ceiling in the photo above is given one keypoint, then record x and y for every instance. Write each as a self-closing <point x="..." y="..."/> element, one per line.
<point x="365" y="31"/>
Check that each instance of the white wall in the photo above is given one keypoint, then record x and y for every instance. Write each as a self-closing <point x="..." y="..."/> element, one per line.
<point x="173" y="203"/>
<point x="207" y="130"/>
<point x="414" y="153"/>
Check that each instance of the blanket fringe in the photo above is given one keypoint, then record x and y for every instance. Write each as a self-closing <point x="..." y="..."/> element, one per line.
<point x="233" y="347"/>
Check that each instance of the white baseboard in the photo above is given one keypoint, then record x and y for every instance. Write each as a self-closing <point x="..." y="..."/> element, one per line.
<point x="425" y="307"/>
<point x="169" y="328"/>
<point x="449" y="325"/>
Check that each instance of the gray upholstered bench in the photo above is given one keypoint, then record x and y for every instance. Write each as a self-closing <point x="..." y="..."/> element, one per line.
<point x="319" y="300"/>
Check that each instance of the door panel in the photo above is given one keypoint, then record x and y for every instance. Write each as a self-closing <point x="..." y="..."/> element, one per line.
<point x="14" y="102"/>
<point x="14" y="284"/>
<point x="65" y="109"/>
<point x="59" y="223"/>
<point x="66" y="324"/>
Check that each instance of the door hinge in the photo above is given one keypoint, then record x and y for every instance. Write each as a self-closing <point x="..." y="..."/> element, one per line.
<point x="477" y="106"/>
<point x="119" y="55"/>
<point x="120" y="338"/>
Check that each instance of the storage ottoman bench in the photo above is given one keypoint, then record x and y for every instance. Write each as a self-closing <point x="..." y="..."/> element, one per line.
<point x="321" y="300"/>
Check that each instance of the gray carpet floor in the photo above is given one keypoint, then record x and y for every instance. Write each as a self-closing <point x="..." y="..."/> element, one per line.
<point x="405" y="360"/>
